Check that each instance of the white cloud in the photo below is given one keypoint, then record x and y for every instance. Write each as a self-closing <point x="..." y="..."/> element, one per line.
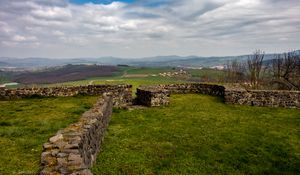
<point x="58" y="33"/>
<point x="52" y="13"/>
<point x="194" y="27"/>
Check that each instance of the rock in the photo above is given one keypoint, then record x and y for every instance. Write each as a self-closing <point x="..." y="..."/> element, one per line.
<point x="83" y="172"/>
<point x="56" y="138"/>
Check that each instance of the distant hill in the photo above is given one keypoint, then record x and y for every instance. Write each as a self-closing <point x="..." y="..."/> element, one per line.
<point x="158" y="61"/>
<point x="4" y="64"/>
<point x="64" y="74"/>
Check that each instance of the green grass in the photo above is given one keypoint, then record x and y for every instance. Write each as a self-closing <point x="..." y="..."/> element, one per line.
<point x="199" y="134"/>
<point x="207" y="74"/>
<point x="26" y="124"/>
<point x="148" y="70"/>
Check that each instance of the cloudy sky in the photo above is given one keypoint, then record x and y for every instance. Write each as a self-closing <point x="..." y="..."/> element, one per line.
<point x="140" y="28"/>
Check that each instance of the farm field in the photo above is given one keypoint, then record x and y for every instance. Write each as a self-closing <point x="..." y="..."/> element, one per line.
<point x="207" y="74"/>
<point x="111" y="75"/>
<point x="26" y="124"/>
<point x="135" y="82"/>
<point x="151" y="77"/>
<point x="199" y="134"/>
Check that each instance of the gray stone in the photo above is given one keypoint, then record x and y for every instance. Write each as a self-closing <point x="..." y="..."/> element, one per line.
<point x="56" y="138"/>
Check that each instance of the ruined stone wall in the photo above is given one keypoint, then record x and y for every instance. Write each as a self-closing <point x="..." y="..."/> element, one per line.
<point x="74" y="149"/>
<point x="152" y="97"/>
<point x="184" y="88"/>
<point x="287" y="99"/>
<point x="158" y="95"/>
<point x="122" y="93"/>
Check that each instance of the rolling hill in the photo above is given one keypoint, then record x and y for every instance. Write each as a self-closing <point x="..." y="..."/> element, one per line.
<point x="158" y="61"/>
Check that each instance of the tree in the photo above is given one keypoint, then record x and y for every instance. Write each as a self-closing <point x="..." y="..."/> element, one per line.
<point x="254" y="64"/>
<point x="286" y="70"/>
<point x="235" y="71"/>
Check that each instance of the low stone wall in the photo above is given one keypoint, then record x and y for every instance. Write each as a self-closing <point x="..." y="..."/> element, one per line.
<point x="152" y="97"/>
<point x="185" y="88"/>
<point x="286" y="99"/>
<point x="74" y="149"/>
<point x="159" y="95"/>
<point x="122" y="94"/>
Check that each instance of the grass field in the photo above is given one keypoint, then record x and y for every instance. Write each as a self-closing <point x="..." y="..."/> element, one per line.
<point x="135" y="82"/>
<point x="148" y="70"/>
<point x="207" y="74"/>
<point x="139" y="75"/>
<point x="199" y="134"/>
<point x="26" y="124"/>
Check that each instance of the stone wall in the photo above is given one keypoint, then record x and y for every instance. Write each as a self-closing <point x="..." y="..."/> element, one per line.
<point x="74" y="149"/>
<point x="287" y="99"/>
<point x="159" y="95"/>
<point x="152" y="96"/>
<point x="185" y="88"/>
<point x="122" y="94"/>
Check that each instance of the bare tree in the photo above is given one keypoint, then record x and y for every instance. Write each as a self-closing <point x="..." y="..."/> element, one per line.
<point x="286" y="70"/>
<point x="254" y="64"/>
<point x="277" y="66"/>
<point x="235" y="71"/>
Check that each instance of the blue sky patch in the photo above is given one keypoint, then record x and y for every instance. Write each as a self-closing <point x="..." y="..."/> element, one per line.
<point x="99" y="1"/>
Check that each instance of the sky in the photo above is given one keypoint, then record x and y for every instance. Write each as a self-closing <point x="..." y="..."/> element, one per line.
<point x="143" y="28"/>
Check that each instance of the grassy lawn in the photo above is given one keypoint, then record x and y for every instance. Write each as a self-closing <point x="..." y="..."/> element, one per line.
<point x="149" y="70"/>
<point x="198" y="134"/>
<point x="26" y="124"/>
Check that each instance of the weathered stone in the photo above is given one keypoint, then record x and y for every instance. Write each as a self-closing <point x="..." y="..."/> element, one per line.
<point x="56" y="138"/>
<point x="62" y="161"/>
<point x="61" y="155"/>
<point x="54" y="152"/>
<point x="72" y="146"/>
<point x="74" y="157"/>
<point x="68" y="151"/>
<point x="47" y="159"/>
<point x="83" y="172"/>
<point x="48" y="146"/>
<point x="64" y="170"/>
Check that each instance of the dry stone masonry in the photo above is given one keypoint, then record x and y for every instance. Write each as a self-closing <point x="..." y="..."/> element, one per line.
<point x="158" y="95"/>
<point x="149" y="96"/>
<point x="122" y="94"/>
<point x="286" y="99"/>
<point x="185" y="88"/>
<point x="74" y="149"/>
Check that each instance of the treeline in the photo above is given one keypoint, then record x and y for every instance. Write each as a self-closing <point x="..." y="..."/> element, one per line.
<point x="282" y="72"/>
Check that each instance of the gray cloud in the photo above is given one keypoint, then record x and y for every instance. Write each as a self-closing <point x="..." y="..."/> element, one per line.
<point x="57" y="28"/>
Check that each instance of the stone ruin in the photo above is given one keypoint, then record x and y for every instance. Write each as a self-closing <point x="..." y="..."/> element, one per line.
<point x="159" y="95"/>
<point x="122" y="94"/>
<point x="73" y="150"/>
